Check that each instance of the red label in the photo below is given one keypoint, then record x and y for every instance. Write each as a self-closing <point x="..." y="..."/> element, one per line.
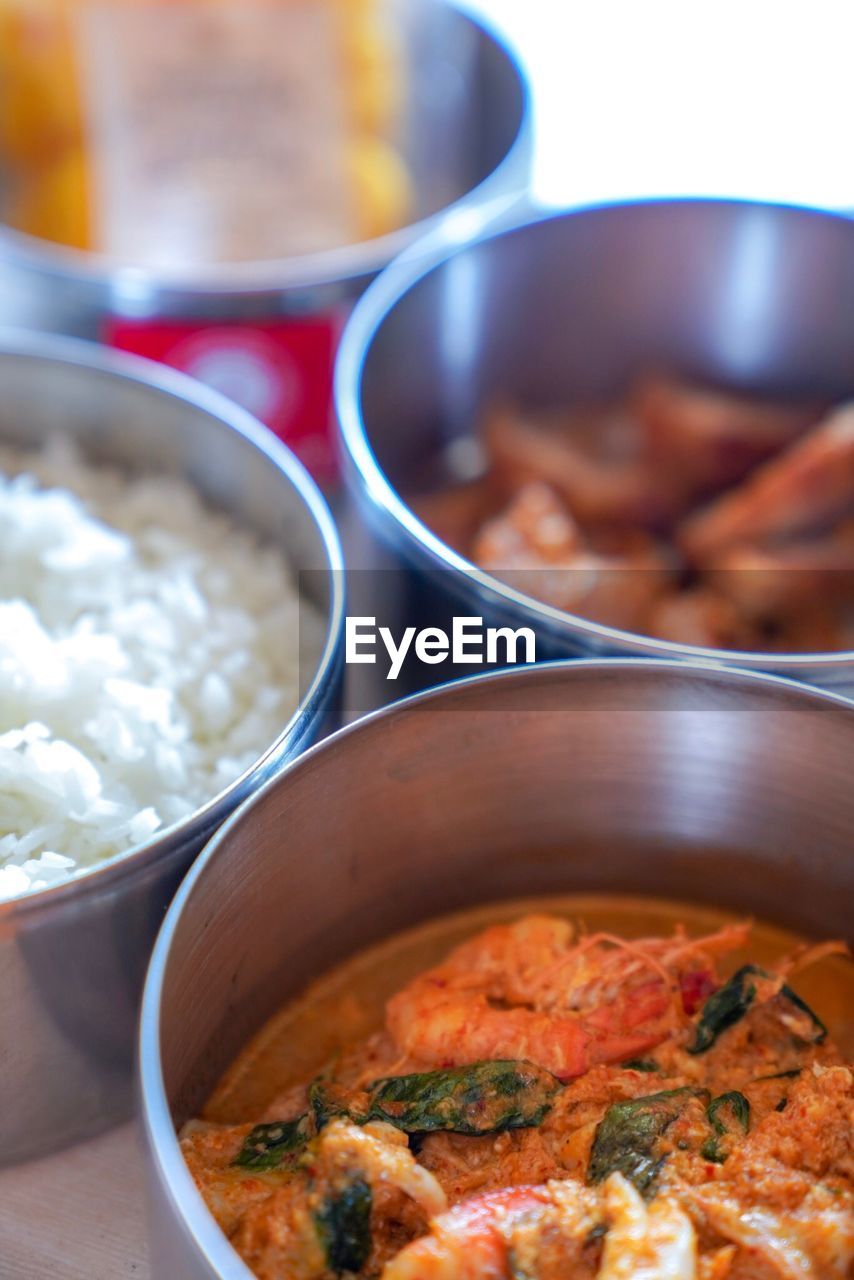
<point x="281" y="371"/>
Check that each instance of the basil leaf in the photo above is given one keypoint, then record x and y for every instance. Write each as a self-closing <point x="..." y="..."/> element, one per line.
<point x="738" y="1107"/>
<point x="487" y="1097"/>
<point x="728" y="1005"/>
<point x="332" y="1101"/>
<point x="737" y="1104"/>
<point x="343" y="1225"/>
<point x="814" y="1032"/>
<point x="627" y="1137"/>
<point x="275" y="1146"/>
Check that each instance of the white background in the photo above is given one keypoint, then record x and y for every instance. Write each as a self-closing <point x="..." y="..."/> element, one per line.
<point x="692" y="97"/>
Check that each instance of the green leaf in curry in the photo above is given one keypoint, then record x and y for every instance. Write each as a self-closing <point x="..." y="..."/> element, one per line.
<point x="487" y="1097"/>
<point x="640" y="1064"/>
<point x="726" y="1007"/>
<point x="626" y="1139"/>
<point x="729" y="1005"/>
<point x="733" y="1105"/>
<point x="343" y="1225"/>
<point x="803" y="1023"/>
<point x="275" y="1146"/>
<point x="330" y="1101"/>
<point x="727" y="1114"/>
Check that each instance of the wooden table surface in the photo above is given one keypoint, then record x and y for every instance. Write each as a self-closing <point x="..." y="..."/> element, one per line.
<point x="79" y="1215"/>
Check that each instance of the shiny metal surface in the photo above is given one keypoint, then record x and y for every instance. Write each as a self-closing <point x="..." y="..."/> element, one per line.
<point x="569" y="307"/>
<point x="73" y="957"/>
<point x="465" y="138"/>
<point x="713" y="785"/>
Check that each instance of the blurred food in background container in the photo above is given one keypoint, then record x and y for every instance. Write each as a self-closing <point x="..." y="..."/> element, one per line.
<point x="206" y="181"/>
<point x="612" y="426"/>
<point x="679" y="511"/>
<point x="177" y="135"/>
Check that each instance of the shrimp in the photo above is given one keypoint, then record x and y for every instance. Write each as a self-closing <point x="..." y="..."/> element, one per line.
<point x="816" y="630"/>
<point x="715" y="436"/>
<point x="536" y="546"/>
<point x="768" y="581"/>
<point x="531" y="990"/>
<point x="535" y="531"/>
<point x="553" y="1231"/>
<point x="595" y="458"/>
<point x="702" y="616"/>
<point x="477" y="1239"/>
<point x="805" y="489"/>
<point x="756" y="600"/>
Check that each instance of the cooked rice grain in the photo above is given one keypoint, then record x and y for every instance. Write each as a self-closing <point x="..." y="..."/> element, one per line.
<point x="148" y="656"/>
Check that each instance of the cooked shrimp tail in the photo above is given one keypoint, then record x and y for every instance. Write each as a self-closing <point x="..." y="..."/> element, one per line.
<point x="533" y="991"/>
<point x="547" y="1230"/>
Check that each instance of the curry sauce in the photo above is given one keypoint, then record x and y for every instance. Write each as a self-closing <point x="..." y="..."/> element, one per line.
<point x="555" y="1081"/>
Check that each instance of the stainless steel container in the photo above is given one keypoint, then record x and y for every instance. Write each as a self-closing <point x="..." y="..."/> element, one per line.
<point x="466" y="141"/>
<point x="73" y="957"/>
<point x="565" y="308"/>
<point x="709" y="785"/>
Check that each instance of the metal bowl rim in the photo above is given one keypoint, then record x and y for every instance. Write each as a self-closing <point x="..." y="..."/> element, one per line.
<point x="160" y="380"/>
<point x="174" y="1178"/>
<point x="370" y="313"/>
<point x="268" y="277"/>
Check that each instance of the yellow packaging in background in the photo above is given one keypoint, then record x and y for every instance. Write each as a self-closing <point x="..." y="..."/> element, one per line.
<point x="174" y="133"/>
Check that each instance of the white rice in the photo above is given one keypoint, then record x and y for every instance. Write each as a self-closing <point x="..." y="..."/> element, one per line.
<point x="148" y="656"/>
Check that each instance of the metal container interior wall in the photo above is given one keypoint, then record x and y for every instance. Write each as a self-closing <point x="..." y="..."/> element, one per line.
<point x="700" y="784"/>
<point x="73" y="957"/>
<point x="565" y="308"/>
<point x="465" y="138"/>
